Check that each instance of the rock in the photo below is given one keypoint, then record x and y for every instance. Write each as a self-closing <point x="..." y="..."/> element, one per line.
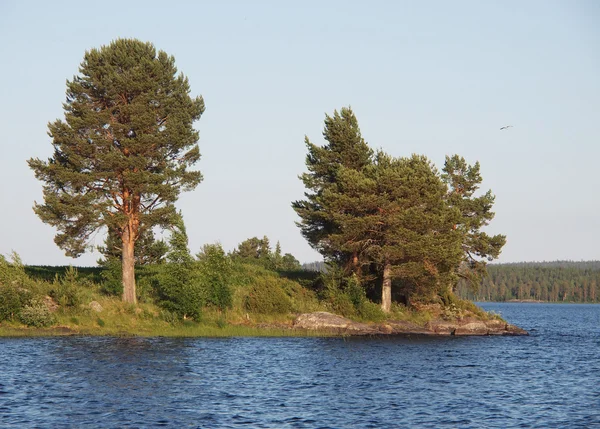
<point x="324" y="321"/>
<point x="95" y="305"/>
<point x="50" y="304"/>
<point x="514" y="330"/>
<point x="321" y="320"/>
<point x="440" y="327"/>
<point x="472" y="328"/>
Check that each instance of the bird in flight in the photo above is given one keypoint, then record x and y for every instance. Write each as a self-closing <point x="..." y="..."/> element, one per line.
<point x="506" y="127"/>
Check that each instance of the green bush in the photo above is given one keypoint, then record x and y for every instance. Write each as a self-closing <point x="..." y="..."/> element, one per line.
<point x="340" y="303"/>
<point x="16" y="288"/>
<point x="267" y="297"/>
<point x="179" y="290"/>
<point x="340" y="294"/>
<point x="36" y="314"/>
<point x="112" y="277"/>
<point x="302" y="300"/>
<point x="12" y="300"/>
<point x="370" y="311"/>
<point x="215" y="269"/>
<point x="65" y="291"/>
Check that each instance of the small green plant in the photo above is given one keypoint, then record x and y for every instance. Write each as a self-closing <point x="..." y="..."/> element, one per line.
<point x="100" y="322"/>
<point x="451" y="312"/>
<point x="370" y="311"/>
<point x="65" y="290"/>
<point x="221" y="322"/>
<point x="37" y="315"/>
<point x="169" y="316"/>
<point x="74" y="320"/>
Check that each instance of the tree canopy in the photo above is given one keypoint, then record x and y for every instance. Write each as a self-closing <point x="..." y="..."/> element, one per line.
<point x="123" y="152"/>
<point x="345" y="148"/>
<point x="393" y="220"/>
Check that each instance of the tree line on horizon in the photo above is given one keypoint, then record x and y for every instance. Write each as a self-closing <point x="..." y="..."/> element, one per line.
<point x="556" y="281"/>
<point x="395" y="228"/>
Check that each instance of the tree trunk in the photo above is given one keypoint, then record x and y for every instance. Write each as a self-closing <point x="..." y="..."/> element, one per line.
<point x="386" y="288"/>
<point x="128" y="266"/>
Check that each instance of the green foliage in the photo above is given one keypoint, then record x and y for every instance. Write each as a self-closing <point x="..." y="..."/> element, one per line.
<point x="123" y="153"/>
<point x="214" y="274"/>
<point x="256" y="251"/>
<point x="36" y="314"/>
<point x="267" y="297"/>
<point x="371" y="312"/>
<point x="127" y="132"/>
<point x="112" y="277"/>
<point x="180" y="291"/>
<point x="147" y="249"/>
<point x="345" y="148"/>
<point x="478" y="247"/>
<point x="100" y="322"/>
<point x="12" y="300"/>
<point x="178" y="285"/>
<point x="395" y="220"/>
<point x="65" y="290"/>
<point x="16" y="289"/>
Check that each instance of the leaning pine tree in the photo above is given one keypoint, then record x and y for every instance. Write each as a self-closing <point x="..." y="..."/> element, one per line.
<point x="345" y="148"/>
<point x="463" y="181"/>
<point x="122" y="154"/>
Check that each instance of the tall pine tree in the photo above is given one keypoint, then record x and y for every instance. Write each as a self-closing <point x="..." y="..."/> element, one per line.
<point x="122" y="154"/>
<point x="463" y="181"/>
<point x="345" y="148"/>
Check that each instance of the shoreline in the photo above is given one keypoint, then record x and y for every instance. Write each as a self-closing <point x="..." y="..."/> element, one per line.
<point x="317" y="324"/>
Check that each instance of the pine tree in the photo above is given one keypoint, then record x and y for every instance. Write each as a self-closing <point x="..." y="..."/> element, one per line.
<point x="398" y="219"/>
<point x="122" y="154"/>
<point x="345" y="148"/>
<point x="148" y="250"/>
<point x="463" y="181"/>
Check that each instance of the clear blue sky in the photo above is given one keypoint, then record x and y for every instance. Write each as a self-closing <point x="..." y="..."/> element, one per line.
<point x="431" y="77"/>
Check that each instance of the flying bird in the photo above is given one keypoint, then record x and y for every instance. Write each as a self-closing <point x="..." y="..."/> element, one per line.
<point x="506" y="127"/>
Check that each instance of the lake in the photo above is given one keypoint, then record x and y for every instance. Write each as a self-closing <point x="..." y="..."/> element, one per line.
<point x="550" y="379"/>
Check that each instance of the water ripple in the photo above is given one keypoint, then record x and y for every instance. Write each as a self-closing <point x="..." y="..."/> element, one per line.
<point x="549" y="379"/>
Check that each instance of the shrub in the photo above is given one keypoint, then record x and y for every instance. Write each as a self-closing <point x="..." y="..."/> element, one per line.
<point x="112" y="277"/>
<point x="65" y="290"/>
<point x="36" y="314"/>
<point x="267" y="297"/>
<point x="16" y="288"/>
<point x="215" y="276"/>
<point x="302" y="300"/>
<point x="370" y="311"/>
<point x="179" y="290"/>
<point x="12" y="301"/>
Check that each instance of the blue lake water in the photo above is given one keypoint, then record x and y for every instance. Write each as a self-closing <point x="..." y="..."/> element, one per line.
<point x="550" y="379"/>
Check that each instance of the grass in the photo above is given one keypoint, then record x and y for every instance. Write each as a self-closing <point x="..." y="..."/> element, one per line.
<point x="75" y="317"/>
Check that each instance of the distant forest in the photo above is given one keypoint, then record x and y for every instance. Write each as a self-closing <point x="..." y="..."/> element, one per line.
<point x="556" y="281"/>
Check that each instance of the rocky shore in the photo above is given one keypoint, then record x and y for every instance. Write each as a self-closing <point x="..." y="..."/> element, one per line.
<point x="328" y="322"/>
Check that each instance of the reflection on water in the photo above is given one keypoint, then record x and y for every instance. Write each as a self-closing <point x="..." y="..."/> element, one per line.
<point x="549" y="379"/>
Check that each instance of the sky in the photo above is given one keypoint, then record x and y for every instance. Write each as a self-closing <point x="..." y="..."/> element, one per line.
<point x="431" y="77"/>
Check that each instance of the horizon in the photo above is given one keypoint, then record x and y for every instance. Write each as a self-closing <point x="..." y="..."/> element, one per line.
<point x="430" y="78"/>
